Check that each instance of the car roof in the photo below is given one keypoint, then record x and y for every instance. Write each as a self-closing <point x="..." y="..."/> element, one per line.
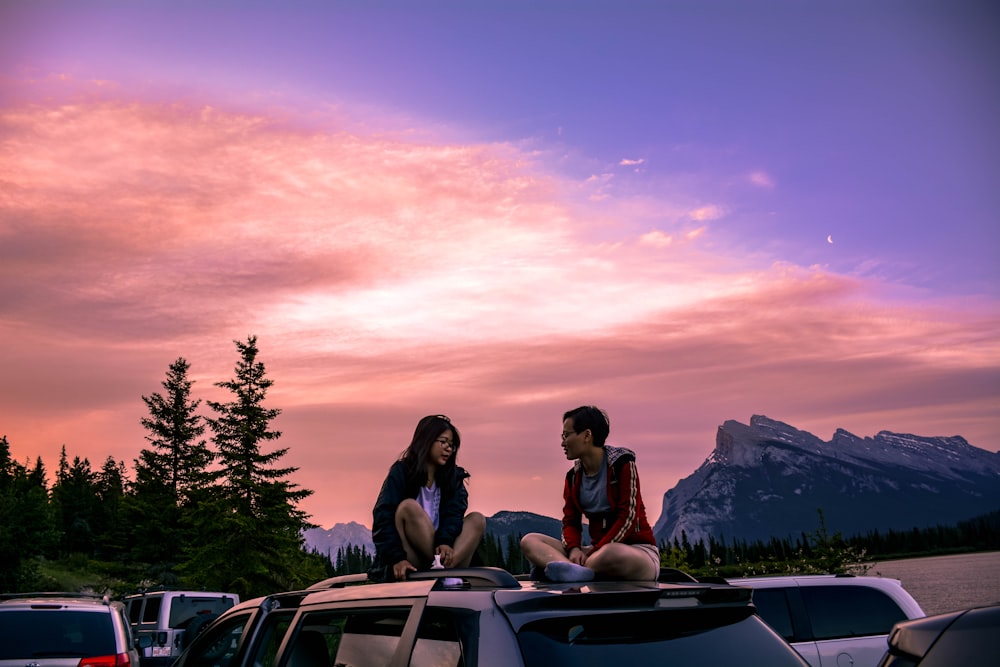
<point x="515" y="595"/>
<point x="193" y="594"/>
<point x="55" y="600"/>
<point x="815" y="580"/>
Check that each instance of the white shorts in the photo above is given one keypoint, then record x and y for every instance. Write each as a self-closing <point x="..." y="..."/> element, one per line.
<point x="653" y="553"/>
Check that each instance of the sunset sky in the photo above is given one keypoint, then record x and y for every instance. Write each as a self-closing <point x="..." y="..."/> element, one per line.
<point x="683" y="212"/>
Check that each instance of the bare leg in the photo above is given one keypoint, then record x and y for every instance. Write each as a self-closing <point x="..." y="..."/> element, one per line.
<point x="417" y="532"/>
<point x="473" y="527"/>
<point x="622" y="561"/>
<point x="540" y="550"/>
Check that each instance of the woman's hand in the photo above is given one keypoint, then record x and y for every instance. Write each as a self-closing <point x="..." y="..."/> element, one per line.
<point x="400" y="569"/>
<point x="447" y="554"/>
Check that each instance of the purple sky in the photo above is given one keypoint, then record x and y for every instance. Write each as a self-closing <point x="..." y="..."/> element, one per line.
<point x="684" y="212"/>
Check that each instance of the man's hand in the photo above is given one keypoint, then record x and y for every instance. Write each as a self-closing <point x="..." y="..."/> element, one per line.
<point x="447" y="554"/>
<point x="400" y="569"/>
<point x="578" y="556"/>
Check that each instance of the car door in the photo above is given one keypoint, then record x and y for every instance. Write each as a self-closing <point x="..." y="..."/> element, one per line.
<point x="850" y="624"/>
<point x="782" y="609"/>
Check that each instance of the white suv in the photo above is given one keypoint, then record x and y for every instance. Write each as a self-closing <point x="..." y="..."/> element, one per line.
<point x="165" y="622"/>
<point x="64" y="630"/>
<point x="833" y="620"/>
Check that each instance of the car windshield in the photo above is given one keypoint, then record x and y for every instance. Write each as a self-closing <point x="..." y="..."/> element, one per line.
<point x="645" y="638"/>
<point x="54" y="633"/>
<point x="184" y="608"/>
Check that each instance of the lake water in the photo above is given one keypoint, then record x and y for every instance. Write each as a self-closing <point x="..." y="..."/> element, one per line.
<point x="946" y="583"/>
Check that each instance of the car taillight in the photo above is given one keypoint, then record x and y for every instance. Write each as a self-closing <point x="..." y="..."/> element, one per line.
<point x="120" y="660"/>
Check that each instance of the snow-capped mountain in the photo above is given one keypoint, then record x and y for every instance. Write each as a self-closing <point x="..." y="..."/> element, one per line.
<point x="328" y="541"/>
<point x="769" y="479"/>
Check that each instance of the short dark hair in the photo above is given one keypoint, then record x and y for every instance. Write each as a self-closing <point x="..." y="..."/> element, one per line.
<point x="593" y="418"/>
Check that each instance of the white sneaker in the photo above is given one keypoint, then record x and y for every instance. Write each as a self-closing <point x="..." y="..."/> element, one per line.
<point x="451" y="581"/>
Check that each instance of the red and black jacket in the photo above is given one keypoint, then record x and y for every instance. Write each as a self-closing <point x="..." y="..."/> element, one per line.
<point x="626" y="522"/>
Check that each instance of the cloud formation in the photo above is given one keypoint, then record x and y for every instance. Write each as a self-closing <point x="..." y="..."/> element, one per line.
<point x="388" y="277"/>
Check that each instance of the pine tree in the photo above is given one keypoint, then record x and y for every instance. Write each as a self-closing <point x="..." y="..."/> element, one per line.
<point x="251" y="529"/>
<point x="26" y="527"/>
<point x="109" y="525"/>
<point x="179" y="458"/>
<point x="74" y="500"/>
<point x="170" y="476"/>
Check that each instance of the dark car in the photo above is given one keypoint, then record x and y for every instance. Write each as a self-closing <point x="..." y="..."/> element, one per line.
<point x="492" y="618"/>
<point x="968" y="637"/>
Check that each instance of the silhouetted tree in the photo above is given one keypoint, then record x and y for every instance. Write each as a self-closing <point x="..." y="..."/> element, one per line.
<point x="169" y="476"/>
<point x="250" y="527"/>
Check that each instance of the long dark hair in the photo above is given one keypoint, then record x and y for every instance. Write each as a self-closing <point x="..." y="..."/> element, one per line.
<point x="415" y="457"/>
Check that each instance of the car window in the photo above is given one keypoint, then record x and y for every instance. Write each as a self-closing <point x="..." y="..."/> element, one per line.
<point x="719" y="637"/>
<point x="358" y="637"/>
<point x="772" y="606"/>
<point x="55" y="633"/>
<point x="184" y="607"/>
<point x="836" y="612"/>
<point x="134" y="608"/>
<point x="217" y="646"/>
<point x="151" y="611"/>
<point x="272" y="632"/>
<point x="444" y="637"/>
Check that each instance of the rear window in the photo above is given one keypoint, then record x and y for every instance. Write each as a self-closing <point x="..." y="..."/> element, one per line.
<point x="55" y="633"/>
<point x="849" y="611"/>
<point x="184" y="608"/>
<point x="721" y="637"/>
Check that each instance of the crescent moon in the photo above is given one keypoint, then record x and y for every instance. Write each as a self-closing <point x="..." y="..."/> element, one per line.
<point x="829" y="239"/>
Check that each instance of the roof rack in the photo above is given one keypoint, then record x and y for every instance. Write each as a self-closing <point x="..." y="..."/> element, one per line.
<point x="475" y="577"/>
<point x="339" y="582"/>
<point x="493" y="577"/>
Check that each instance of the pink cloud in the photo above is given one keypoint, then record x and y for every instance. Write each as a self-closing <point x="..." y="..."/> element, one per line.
<point x="387" y="278"/>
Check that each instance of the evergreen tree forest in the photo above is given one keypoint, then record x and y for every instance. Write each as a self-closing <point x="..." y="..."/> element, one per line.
<point x="211" y="513"/>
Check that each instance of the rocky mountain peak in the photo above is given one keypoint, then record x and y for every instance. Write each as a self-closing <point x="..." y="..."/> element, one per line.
<point x="768" y="478"/>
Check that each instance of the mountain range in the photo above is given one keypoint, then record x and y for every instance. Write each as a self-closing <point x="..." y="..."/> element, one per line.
<point x="768" y="479"/>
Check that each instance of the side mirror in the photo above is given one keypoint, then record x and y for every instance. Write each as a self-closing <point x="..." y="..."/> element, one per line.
<point x="143" y="641"/>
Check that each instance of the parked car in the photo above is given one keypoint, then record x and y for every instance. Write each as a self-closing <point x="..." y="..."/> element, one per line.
<point x="165" y="622"/>
<point x="833" y="620"/>
<point x="967" y="637"/>
<point x="64" y="630"/>
<point x="492" y="618"/>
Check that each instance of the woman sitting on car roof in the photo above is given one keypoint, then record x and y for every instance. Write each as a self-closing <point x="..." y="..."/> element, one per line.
<point x="421" y="510"/>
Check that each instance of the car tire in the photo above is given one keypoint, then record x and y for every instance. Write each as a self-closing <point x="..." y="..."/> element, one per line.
<point x="194" y="628"/>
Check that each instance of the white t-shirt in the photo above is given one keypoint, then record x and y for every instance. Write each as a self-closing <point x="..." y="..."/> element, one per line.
<point x="430" y="500"/>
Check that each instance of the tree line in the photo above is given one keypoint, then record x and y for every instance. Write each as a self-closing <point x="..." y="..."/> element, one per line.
<point x="211" y="514"/>
<point x="813" y="552"/>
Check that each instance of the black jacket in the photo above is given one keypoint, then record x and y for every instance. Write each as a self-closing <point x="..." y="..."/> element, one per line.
<point x="395" y="489"/>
